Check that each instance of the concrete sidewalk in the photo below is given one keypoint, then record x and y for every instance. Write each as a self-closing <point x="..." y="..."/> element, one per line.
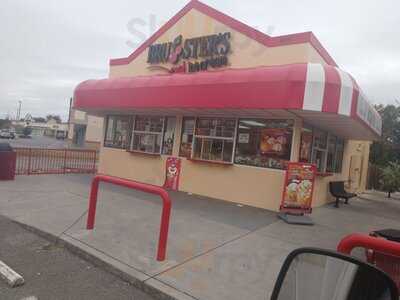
<point x="216" y="249"/>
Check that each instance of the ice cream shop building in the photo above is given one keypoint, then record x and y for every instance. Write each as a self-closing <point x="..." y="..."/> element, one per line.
<point x="233" y="106"/>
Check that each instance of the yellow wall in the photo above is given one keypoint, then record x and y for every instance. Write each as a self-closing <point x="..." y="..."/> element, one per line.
<point x="254" y="186"/>
<point x="245" y="52"/>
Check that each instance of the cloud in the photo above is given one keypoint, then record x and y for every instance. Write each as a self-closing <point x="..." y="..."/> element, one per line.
<point x="48" y="47"/>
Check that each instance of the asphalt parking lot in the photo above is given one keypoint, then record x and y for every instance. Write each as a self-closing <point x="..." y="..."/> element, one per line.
<point x="52" y="272"/>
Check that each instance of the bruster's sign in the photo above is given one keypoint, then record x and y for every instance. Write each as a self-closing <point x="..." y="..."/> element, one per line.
<point x="191" y="55"/>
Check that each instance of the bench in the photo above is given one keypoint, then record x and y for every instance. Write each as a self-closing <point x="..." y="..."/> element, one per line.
<point x="336" y="188"/>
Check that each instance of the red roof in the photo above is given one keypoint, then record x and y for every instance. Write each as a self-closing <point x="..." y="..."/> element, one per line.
<point x="297" y="38"/>
<point x="301" y="88"/>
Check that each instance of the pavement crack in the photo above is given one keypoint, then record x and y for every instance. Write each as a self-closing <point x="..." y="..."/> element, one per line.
<point x="108" y="255"/>
<point x="73" y="223"/>
<point x="207" y="251"/>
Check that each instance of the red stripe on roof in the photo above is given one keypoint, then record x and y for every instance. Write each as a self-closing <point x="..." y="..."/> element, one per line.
<point x="332" y="90"/>
<point x="278" y="87"/>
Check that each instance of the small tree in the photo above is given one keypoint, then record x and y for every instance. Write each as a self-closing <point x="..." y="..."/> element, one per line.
<point x="391" y="178"/>
<point x="27" y="131"/>
<point x="54" y="117"/>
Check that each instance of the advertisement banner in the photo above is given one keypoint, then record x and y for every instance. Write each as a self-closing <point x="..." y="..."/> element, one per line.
<point x="298" y="188"/>
<point x="172" y="173"/>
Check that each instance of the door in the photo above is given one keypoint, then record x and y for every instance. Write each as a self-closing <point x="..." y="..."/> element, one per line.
<point x="355" y="172"/>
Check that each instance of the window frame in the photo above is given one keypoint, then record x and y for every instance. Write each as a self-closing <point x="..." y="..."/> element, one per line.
<point x="267" y="119"/>
<point x="129" y="120"/>
<point x="324" y="151"/>
<point x="163" y="134"/>
<point x="181" y="136"/>
<point x="233" y="139"/>
<point x="133" y="131"/>
<point x="330" y="135"/>
<point x="336" y="169"/>
<point x="339" y="168"/>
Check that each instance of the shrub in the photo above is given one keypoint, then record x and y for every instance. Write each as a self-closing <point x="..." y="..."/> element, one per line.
<point x="391" y="178"/>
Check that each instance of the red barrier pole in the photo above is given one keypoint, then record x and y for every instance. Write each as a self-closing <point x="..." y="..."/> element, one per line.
<point x="147" y="188"/>
<point x="355" y="240"/>
<point x="92" y="203"/>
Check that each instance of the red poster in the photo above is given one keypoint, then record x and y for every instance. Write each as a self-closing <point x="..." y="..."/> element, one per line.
<point x="298" y="189"/>
<point x="173" y="171"/>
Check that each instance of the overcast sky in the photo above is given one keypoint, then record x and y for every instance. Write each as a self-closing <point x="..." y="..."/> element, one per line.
<point x="48" y="47"/>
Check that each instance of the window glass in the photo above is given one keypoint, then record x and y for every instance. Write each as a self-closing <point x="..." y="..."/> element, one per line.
<point x="339" y="155"/>
<point x="110" y="130"/>
<point x="146" y="142"/>
<point x="306" y="144"/>
<point x="117" y="132"/>
<point x="264" y="143"/>
<point x="330" y="158"/>
<point x="149" y="124"/>
<point x="319" y="150"/>
<point x="214" y="139"/>
<point x="213" y="149"/>
<point x="320" y="139"/>
<point x="147" y="134"/>
<point x="187" y="137"/>
<point x="318" y="158"/>
<point x="169" y="133"/>
<point x="215" y="127"/>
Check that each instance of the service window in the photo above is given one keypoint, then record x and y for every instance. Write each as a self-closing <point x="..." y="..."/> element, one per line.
<point x="147" y="134"/>
<point x="117" y="128"/>
<point x="339" y="155"/>
<point x="306" y="144"/>
<point x="185" y="149"/>
<point x="264" y="143"/>
<point x="214" y="139"/>
<point x="319" y="150"/>
<point x="330" y="158"/>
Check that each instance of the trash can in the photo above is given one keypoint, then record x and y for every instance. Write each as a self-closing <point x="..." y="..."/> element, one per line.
<point x="8" y="161"/>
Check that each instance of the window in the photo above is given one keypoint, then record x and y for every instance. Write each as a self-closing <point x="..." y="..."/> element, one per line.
<point x="214" y="139"/>
<point x="185" y="149"/>
<point x="169" y="133"/>
<point x="117" y="132"/>
<point x="326" y="151"/>
<point x="306" y="144"/>
<point x="147" y="134"/>
<point x="339" y="155"/>
<point x="319" y="150"/>
<point x="264" y="143"/>
<point x="330" y="158"/>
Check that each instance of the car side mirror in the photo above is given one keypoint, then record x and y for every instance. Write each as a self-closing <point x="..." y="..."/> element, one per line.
<point x="316" y="274"/>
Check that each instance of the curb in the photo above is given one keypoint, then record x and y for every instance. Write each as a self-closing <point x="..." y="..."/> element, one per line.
<point x="142" y="285"/>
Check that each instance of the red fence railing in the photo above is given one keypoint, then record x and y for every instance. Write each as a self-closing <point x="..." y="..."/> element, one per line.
<point x="33" y="161"/>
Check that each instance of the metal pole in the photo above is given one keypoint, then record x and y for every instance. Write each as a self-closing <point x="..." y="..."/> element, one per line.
<point x="355" y="240"/>
<point x="147" y="188"/>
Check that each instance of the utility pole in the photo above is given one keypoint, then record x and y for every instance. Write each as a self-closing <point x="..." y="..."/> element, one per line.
<point x="19" y="110"/>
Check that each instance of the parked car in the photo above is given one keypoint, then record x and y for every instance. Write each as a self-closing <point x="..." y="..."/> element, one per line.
<point x="7" y="135"/>
<point x="60" y="135"/>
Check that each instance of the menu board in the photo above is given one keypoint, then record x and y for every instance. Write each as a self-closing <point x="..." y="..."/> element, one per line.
<point x="298" y="188"/>
<point x="274" y="141"/>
